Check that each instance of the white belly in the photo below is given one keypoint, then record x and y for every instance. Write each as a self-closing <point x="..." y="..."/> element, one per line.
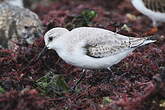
<point x="84" y="61"/>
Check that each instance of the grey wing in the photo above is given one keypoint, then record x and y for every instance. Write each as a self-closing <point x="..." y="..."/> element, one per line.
<point x="100" y="51"/>
<point x="99" y="43"/>
<point x="155" y="5"/>
<point x="112" y="47"/>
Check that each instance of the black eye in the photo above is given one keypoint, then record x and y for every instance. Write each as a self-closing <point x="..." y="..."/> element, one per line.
<point x="26" y="27"/>
<point x="50" y="39"/>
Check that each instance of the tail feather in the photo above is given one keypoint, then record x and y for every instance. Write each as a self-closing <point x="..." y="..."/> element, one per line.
<point x="150" y="39"/>
<point x="143" y="41"/>
<point x="148" y="42"/>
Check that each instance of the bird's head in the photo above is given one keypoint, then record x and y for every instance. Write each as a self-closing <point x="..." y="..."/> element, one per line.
<point x="50" y="39"/>
<point x="52" y="35"/>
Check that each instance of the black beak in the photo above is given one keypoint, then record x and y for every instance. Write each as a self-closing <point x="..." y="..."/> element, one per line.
<point x="43" y="51"/>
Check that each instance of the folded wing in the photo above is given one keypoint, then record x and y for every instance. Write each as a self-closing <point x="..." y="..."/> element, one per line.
<point x="107" y="44"/>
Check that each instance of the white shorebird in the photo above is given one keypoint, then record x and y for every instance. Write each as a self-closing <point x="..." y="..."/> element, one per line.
<point x="154" y="9"/>
<point x="92" y="48"/>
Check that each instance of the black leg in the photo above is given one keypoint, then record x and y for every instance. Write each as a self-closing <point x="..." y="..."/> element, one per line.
<point x="112" y="73"/>
<point x="82" y="76"/>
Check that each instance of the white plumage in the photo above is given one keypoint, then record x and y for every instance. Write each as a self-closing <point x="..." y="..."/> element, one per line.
<point x="89" y="47"/>
<point x="154" y="9"/>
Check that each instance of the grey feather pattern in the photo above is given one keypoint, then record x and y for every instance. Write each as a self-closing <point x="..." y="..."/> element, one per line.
<point x="155" y="5"/>
<point x="106" y="49"/>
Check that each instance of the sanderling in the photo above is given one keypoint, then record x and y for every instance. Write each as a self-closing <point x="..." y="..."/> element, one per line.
<point x="154" y="9"/>
<point x="18" y="25"/>
<point x="92" y="48"/>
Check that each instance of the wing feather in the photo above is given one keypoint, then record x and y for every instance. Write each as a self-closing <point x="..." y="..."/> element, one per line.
<point x="107" y="43"/>
<point x="155" y="5"/>
<point x="99" y="43"/>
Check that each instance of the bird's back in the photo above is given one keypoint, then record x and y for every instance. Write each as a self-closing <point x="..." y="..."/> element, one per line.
<point x="93" y="36"/>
